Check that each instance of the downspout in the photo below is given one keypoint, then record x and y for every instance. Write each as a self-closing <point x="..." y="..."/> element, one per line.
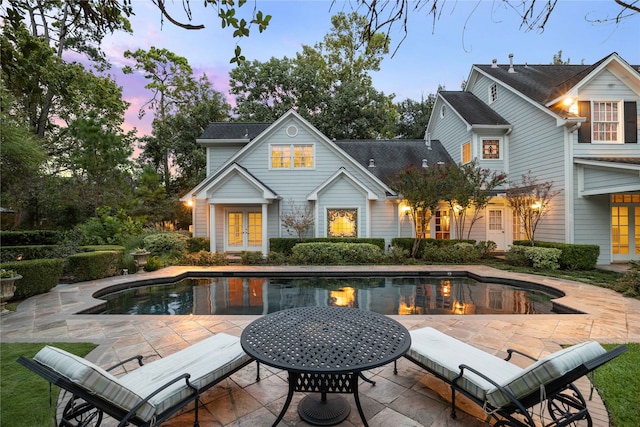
<point x="569" y="185"/>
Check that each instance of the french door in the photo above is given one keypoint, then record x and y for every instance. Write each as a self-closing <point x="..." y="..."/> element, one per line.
<point x="625" y="232"/>
<point x="243" y="230"/>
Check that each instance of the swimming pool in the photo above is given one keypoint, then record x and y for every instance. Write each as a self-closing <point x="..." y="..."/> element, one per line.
<point x="393" y="295"/>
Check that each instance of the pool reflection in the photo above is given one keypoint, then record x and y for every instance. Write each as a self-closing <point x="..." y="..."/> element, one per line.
<point x="391" y="295"/>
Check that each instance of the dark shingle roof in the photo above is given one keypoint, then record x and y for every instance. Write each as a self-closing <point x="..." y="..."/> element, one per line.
<point x="472" y="109"/>
<point x="391" y="156"/>
<point x="236" y="130"/>
<point x="543" y="83"/>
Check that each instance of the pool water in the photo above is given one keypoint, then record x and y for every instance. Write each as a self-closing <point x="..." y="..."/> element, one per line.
<point x="385" y="295"/>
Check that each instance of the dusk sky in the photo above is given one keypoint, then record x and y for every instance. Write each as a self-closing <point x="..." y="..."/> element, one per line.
<point x="467" y="32"/>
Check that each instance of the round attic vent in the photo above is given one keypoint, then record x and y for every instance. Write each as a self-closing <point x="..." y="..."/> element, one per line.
<point x="292" y="131"/>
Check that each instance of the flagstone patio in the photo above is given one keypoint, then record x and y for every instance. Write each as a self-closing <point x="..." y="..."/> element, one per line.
<point x="407" y="399"/>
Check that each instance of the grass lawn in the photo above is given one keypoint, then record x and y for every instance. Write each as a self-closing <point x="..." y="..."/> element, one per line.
<point x="618" y="383"/>
<point x="24" y="396"/>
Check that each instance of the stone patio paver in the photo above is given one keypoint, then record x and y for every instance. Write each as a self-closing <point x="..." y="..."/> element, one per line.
<point x="397" y="400"/>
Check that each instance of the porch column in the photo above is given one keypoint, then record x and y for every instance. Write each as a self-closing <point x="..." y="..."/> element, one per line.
<point x="265" y="241"/>
<point x="212" y="228"/>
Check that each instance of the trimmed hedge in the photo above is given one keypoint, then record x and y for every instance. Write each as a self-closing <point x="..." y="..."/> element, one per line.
<point x="285" y="245"/>
<point x="97" y="248"/>
<point x="573" y="256"/>
<point x="93" y="265"/>
<point x="406" y="243"/>
<point x="39" y="276"/>
<point x="336" y="253"/>
<point x="26" y="252"/>
<point x="534" y="256"/>
<point x="31" y="237"/>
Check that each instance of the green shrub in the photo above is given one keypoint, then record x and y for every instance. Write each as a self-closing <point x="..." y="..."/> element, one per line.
<point x="110" y="227"/>
<point x="31" y="237"/>
<point x="277" y="258"/>
<point x="96" y="248"/>
<point x="204" y="258"/>
<point x="534" y="256"/>
<point x="17" y="253"/>
<point x="154" y="263"/>
<point x="93" y="265"/>
<point x="573" y="257"/>
<point x="486" y="249"/>
<point x="285" y="245"/>
<point x="336" y="253"/>
<point x="516" y="256"/>
<point x="629" y="283"/>
<point x="166" y="244"/>
<point x="407" y="243"/>
<point x="457" y="253"/>
<point x="197" y="244"/>
<point x="38" y="276"/>
<point x="397" y="255"/>
<point x="252" y="258"/>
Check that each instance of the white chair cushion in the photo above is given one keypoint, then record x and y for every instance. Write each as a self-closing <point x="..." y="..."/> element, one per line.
<point x="206" y="362"/>
<point x="444" y="354"/>
<point x="545" y="371"/>
<point x="88" y="376"/>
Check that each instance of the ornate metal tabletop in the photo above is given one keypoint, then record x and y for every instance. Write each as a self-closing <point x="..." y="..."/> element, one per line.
<point x="325" y="349"/>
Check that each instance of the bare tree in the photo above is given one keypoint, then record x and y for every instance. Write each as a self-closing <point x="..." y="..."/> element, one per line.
<point x="531" y="200"/>
<point x="298" y="219"/>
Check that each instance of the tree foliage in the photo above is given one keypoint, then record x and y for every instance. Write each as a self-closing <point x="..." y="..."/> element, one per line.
<point x="422" y="189"/>
<point x="531" y="202"/>
<point x="413" y="117"/>
<point x="468" y="191"/>
<point x="329" y="84"/>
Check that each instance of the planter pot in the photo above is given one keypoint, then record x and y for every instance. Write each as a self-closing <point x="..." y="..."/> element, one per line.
<point x="140" y="259"/>
<point x="7" y="289"/>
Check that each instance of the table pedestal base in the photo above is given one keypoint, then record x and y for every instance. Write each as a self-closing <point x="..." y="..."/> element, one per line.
<point x="329" y="411"/>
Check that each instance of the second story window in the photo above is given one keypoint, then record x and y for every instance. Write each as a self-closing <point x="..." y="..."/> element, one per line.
<point x="606" y="121"/>
<point x="466" y="152"/>
<point x="292" y="156"/>
<point x="490" y="149"/>
<point x="493" y="93"/>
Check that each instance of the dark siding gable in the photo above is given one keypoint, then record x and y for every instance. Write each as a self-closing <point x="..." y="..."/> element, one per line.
<point x="630" y="123"/>
<point x="584" y="132"/>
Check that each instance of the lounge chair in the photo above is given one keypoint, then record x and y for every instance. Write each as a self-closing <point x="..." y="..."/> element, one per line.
<point x="146" y="396"/>
<point x="504" y="390"/>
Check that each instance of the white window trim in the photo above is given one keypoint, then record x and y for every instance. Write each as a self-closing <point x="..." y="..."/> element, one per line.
<point x="470" y="152"/>
<point x="620" y="130"/>
<point x="500" y="147"/>
<point x="493" y="99"/>
<point x="291" y="167"/>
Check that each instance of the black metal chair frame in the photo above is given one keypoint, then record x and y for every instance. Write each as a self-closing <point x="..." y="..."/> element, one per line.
<point x="565" y="403"/>
<point x="86" y="408"/>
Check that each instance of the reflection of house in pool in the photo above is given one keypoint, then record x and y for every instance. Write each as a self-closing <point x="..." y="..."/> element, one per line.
<point x="256" y="296"/>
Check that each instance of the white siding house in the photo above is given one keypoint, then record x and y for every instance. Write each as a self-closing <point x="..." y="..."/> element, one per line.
<point x="573" y="125"/>
<point x="258" y="172"/>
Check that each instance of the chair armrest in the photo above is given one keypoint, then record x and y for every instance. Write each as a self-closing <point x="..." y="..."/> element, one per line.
<point x="138" y="358"/>
<point x="511" y="351"/>
<point x="132" y="412"/>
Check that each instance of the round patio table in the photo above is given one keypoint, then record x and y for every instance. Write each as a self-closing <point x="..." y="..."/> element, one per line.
<point x="325" y="350"/>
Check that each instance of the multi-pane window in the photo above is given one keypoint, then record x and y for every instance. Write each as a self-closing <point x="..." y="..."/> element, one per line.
<point x="443" y="224"/>
<point x="466" y="152"/>
<point x="605" y="121"/>
<point x="493" y="93"/>
<point x="342" y="223"/>
<point x="490" y="149"/>
<point x="292" y="156"/>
